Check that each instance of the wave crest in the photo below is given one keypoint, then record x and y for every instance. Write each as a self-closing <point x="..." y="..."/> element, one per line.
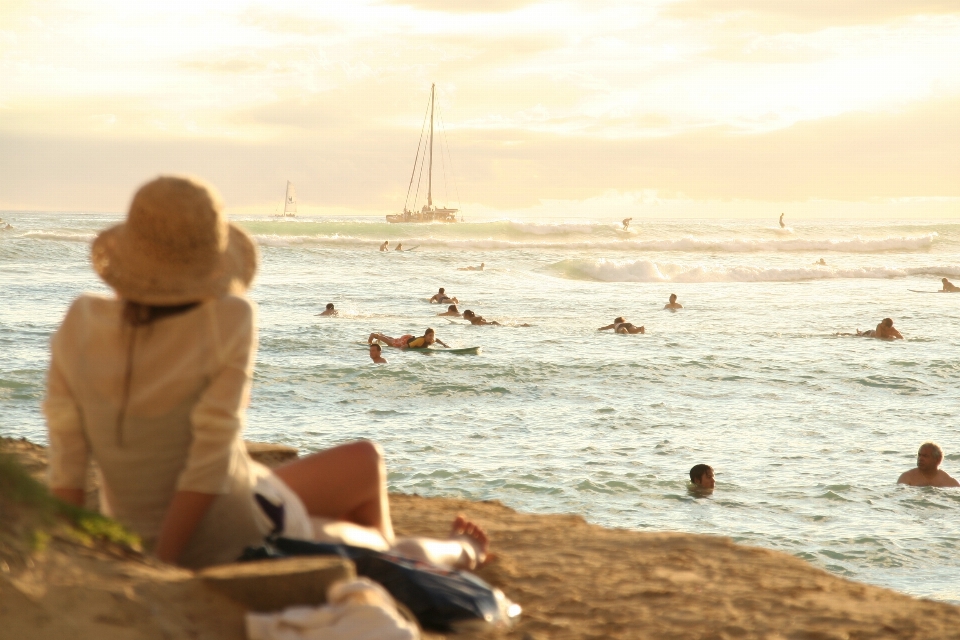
<point x="647" y="271"/>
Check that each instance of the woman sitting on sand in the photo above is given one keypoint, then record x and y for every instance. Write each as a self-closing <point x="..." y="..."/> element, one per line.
<point x="408" y="341"/>
<point x="153" y="385"/>
<point x="622" y="326"/>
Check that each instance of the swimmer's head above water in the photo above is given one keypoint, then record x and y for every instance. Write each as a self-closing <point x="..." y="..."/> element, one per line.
<point x="701" y="475"/>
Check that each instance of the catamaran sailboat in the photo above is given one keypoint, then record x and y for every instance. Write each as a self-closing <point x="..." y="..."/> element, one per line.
<point x="289" y="203"/>
<point x="429" y="212"/>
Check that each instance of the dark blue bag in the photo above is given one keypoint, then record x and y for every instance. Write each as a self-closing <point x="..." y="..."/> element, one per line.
<point x="437" y="597"/>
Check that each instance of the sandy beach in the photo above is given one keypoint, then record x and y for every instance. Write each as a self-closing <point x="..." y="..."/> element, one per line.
<point x="573" y="580"/>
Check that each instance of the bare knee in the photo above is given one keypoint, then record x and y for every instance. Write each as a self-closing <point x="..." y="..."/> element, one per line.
<point x="367" y="453"/>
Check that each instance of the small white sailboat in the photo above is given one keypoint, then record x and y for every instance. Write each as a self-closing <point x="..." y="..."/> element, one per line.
<point x="289" y="203"/>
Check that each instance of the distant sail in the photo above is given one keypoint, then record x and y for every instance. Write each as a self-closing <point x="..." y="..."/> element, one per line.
<point x="290" y="204"/>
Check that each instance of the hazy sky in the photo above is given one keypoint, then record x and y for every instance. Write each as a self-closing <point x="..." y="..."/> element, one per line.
<point x="696" y="106"/>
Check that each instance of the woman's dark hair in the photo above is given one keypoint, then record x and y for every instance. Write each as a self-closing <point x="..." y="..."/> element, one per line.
<point x="618" y="320"/>
<point x="329" y="305"/>
<point x="452" y="307"/>
<point x="887" y="322"/>
<point x="138" y="315"/>
<point x="697" y="472"/>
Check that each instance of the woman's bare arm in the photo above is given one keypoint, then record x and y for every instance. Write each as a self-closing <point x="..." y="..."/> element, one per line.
<point x="183" y="515"/>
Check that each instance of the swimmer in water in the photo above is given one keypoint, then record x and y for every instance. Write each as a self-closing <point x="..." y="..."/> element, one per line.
<point x="330" y="311"/>
<point x="622" y="326"/>
<point x="385" y="245"/>
<point x="782" y="226"/>
<point x="884" y="331"/>
<point x="375" y="351"/>
<point x="673" y="305"/>
<point x="626" y="223"/>
<point x="480" y="268"/>
<point x="821" y="262"/>
<point x="949" y="287"/>
<point x="701" y="475"/>
<point x="928" y="472"/>
<point x="451" y="311"/>
<point x="441" y="297"/>
<point x="408" y="341"/>
<point x="399" y="247"/>
<point x="478" y="320"/>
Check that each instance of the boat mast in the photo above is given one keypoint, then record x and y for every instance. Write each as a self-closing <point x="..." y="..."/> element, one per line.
<point x="430" y="175"/>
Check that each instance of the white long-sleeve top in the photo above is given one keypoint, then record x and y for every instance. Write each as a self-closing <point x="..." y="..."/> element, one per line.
<point x="186" y="379"/>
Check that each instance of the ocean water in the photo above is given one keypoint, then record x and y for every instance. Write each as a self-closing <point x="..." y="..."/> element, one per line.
<point x="807" y="431"/>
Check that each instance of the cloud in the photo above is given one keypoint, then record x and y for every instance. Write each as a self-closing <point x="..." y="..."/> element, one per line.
<point x="853" y="157"/>
<point x="464" y="6"/>
<point x="779" y="16"/>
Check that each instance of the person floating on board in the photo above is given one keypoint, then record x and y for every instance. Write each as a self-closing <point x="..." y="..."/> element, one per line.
<point x="480" y="268"/>
<point x="622" y="326"/>
<point x="782" y="226"/>
<point x="330" y="311"/>
<point x="884" y="331"/>
<point x="928" y="472"/>
<point x="673" y="305"/>
<point x="626" y="223"/>
<point x="399" y="247"/>
<point x="385" y="245"/>
<point x="408" y="341"/>
<point x="949" y="287"/>
<point x="701" y="475"/>
<point x="451" y="311"/>
<point x="478" y="320"/>
<point x="441" y="297"/>
<point x="375" y="354"/>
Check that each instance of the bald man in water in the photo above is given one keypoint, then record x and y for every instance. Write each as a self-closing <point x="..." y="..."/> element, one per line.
<point x="928" y="472"/>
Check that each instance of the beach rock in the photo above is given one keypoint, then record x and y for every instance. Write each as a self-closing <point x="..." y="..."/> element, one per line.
<point x="274" y="585"/>
<point x="271" y="455"/>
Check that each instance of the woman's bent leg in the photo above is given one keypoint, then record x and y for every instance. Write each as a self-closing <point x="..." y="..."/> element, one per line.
<point x="348" y="482"/>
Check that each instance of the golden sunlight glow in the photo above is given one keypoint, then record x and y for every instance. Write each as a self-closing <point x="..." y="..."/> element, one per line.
<point x="697" y="100"/>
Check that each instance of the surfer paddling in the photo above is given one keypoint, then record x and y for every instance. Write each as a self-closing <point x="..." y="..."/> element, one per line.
<point x="478" y="320"/>
<point x="673" y="305"/>
<point x="626" y="223"/>
<point x="928" y="472"/>
<point x="329" y="311"/>
<point x="949" y="287"/>
<point x="375" y="351"/>
<point x="622" y="326"/>
<point x="408" y="341"/>
<point x="884" y="331"/>
<point x="442" y="298"/>
<point x="451" y="311"/>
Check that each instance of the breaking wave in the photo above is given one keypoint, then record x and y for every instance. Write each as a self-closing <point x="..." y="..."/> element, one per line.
<point x="686" y="244"/>
<point x="648" y="271"/>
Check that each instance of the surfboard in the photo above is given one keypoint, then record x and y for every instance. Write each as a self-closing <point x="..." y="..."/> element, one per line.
<point x="410" y="249"/>
<point x="918" y="291"/>
<point x="462" y="351"/>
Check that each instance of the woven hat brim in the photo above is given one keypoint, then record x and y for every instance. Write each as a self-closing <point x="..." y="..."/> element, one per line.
<point x="139" y="278"/>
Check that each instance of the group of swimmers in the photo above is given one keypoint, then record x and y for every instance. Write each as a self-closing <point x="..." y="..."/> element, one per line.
<point x="927" y="473"/>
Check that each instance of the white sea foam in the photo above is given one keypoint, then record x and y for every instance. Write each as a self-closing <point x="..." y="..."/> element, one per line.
<point x="686" y="244"/>
<point x="63" y="236"/>
<point x="648" y="271"/>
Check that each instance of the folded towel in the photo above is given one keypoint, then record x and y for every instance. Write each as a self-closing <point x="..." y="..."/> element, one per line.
<point x="356" y="610"/>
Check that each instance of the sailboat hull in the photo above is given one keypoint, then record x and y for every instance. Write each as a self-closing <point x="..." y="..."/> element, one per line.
<point x="433" y="215"/>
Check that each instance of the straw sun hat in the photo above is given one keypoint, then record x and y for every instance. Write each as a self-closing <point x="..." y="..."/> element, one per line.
<point x="175" y="247"/>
